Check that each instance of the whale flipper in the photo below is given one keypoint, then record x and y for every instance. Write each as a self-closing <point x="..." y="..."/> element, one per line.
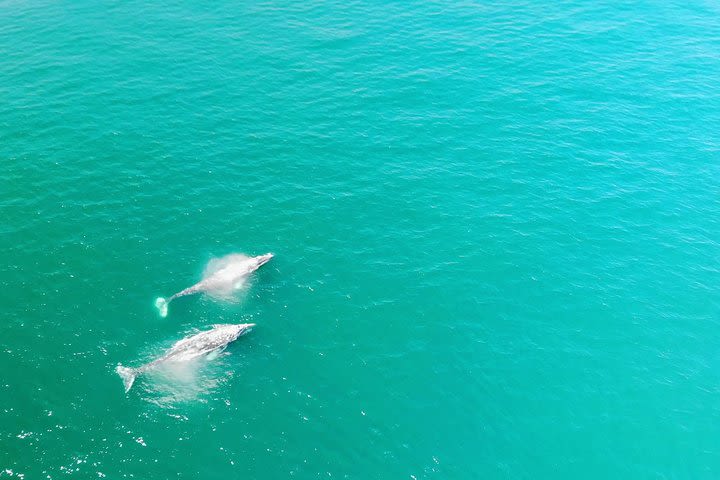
<point x="162" y="306"/>
<point x="128" y="376"/>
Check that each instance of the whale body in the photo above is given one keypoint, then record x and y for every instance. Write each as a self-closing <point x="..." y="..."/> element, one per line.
<point x="188" y="348"/>
<point x="235" y="270"/>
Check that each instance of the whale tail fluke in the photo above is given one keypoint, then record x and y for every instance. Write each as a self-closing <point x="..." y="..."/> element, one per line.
<point x="162" y="306"/>
<point x="128" y="376"/>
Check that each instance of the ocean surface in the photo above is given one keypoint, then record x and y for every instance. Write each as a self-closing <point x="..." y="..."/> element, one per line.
<point x="496" y="228"/>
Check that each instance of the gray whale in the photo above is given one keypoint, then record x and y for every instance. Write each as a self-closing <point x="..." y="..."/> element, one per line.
<point x="189" y="348"/>
<point x="222" y="279"/>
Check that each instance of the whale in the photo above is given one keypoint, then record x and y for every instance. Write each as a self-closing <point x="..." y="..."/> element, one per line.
<point x="210" y="341"/>
<point x="235" y="268"/>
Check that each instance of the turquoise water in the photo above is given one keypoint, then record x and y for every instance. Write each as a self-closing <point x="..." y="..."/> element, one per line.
<point x="496" y="229"/>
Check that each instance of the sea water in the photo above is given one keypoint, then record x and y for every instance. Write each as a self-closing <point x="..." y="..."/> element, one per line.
<point x="496" y="228"/>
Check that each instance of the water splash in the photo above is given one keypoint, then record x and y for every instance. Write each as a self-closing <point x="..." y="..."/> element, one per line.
<point x="217" y="264"/>
<point x="225" y="284"/>
<point x="190" y="381"/>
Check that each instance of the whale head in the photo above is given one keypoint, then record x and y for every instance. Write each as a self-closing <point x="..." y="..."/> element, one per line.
<point x="263" y="259"/>
<point x="231" y="331"/>
<point x="244" y="328"/>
